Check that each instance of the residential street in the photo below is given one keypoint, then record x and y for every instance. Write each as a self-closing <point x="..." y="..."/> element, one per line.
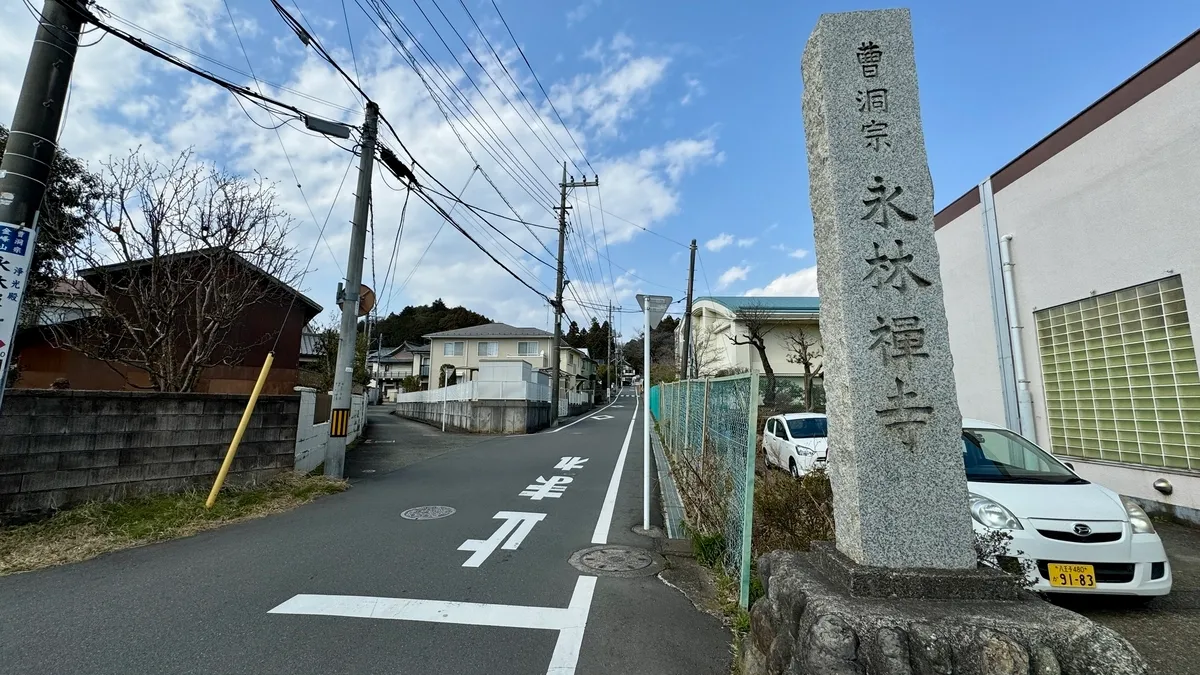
<point x="292" y="593"/>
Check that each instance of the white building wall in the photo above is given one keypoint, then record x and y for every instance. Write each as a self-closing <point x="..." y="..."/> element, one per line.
<point x="967" y="288"/>
<point x="1113" y="210"/>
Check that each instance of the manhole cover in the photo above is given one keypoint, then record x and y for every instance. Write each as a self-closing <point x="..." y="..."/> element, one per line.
<point x="616" y="561"/>
<point x="427" y="512"/>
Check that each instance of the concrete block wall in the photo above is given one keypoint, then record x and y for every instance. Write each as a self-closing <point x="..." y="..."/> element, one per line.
<point x="484" y="417"/>
<point x="59" y="448"/>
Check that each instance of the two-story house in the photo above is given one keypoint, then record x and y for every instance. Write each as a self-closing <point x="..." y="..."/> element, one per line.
<point x="463" y="348"/>
<point x="389" y="367"/>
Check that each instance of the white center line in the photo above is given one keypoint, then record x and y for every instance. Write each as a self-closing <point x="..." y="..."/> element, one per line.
<point x="604" y="522"/>
<point x="558" y="429"/>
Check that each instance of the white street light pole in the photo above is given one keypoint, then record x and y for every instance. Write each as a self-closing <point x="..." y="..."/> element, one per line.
<point x="653" y="309"/>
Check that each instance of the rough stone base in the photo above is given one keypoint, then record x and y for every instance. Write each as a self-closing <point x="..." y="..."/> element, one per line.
<point x="807" y="624"/>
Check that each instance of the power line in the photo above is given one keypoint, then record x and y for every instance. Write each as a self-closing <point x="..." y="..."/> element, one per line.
<point x="521" y="91"/>
<point x="350" y="39"/>
<point x="200" y="55"/>
<point x="423" y="253"/>
<point x="525" y="181"/>
<point x="539" y="83"/>
<point x="279" y="137"/>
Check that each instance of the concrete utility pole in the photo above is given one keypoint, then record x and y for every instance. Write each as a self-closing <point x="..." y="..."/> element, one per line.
<point x="558" y="288"/>
<point x="684" y="370"/>
<point x="339" y="420"/>
<point x="608" y="361"/>
<point x="32" y="145"/>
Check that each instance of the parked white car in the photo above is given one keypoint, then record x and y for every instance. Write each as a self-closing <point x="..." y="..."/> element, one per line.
<point x="797" y="442"/>
<point x="1080" y="537"/>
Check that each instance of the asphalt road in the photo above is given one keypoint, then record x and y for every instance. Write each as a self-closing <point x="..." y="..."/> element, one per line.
<point x="346" y="585"/>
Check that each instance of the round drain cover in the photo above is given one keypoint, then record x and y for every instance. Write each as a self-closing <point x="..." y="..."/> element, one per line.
<point x="617" y="561"/>
<point x="427" y="512"/>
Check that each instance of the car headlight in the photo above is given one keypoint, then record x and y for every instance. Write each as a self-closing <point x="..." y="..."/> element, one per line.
<point x="990" y="513"/>
<point x="1137" y="517"/>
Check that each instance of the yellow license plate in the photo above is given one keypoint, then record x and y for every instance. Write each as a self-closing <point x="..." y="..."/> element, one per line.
<point x="1071" y="576"/>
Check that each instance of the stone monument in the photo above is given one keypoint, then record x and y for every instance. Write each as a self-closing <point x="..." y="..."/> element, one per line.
<point x="901" y="594"/>
<point x="900" y="490"/>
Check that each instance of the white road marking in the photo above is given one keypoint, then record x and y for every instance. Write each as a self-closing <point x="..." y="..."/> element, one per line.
<point x="516" y="523"/>
<point x="558" y="429"/>
<point x="602" y="417"/>
<point x="570" y="463"/>
<point x="552" y="487"/>
<point x="570" y="638"/>
<point x="604" y="522"/>
<point x="570" y="622"/>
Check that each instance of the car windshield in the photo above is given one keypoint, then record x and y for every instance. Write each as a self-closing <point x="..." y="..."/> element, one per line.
<point x="808" y="427"/>
<point x="999" y="456"/>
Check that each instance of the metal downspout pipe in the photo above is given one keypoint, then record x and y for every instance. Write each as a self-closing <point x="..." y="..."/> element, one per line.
<point x="1024" y="398"/>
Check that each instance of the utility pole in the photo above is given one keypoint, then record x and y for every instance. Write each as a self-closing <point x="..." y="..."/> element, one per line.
<point x="339" y="420"/>
<point x="32" y="145"/>
<point x="684" y="370"/>
<point x="609" y="369"/>
<point x="558" y="288"/>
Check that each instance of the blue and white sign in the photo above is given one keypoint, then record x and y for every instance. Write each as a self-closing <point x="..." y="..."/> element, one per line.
<point x="16" y="256"/>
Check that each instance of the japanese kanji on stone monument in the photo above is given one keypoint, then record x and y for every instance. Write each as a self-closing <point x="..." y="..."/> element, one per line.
<point x="900" y="492"/>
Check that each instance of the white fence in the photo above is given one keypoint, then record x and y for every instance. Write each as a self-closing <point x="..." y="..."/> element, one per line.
<point x="481" y="390"/>
<point x="573" y="398"/>
<point x="311" y="438"/>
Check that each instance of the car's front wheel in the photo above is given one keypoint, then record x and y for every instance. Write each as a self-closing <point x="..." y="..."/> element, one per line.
<point x="795" y="470"/>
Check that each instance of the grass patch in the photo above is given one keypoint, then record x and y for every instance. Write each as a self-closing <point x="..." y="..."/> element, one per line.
<point x="91" y="529"/>
<point x="790" y="514"/>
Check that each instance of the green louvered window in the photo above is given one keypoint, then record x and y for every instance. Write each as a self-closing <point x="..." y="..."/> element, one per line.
<point x="1120" y="377"/>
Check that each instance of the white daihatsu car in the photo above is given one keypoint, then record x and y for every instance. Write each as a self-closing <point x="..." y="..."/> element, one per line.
<point x="1080" y="537"/>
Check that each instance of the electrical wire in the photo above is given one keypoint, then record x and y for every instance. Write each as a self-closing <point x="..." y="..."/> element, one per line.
<point x="426" y="251"/>
<point x="279" y="137"/>
<point x="313" y="252"/>
<point x="539" y="84"/>
<point x="200" y="55"/>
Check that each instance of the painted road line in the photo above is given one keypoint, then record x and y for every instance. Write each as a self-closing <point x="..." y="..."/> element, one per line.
<point x="558" y="429"/>
<point x="551" y="487"/>
<point x="570" y="463"/>
<point x="570" y="638"/>
<point x="570" y="622"/>
<point x="516" y="524"/>
<point x="604" y="522"/>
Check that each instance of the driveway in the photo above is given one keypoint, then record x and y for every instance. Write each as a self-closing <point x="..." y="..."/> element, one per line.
<point x="390" y="443"/>
<point x="1166" y="630"/>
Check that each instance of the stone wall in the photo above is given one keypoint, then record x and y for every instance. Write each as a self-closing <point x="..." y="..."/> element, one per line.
<point x="59" y="448"/>
<point x="483" y="417"/>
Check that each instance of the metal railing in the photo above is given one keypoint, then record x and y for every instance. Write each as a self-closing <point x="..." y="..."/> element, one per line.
<point x="709" y="428"/>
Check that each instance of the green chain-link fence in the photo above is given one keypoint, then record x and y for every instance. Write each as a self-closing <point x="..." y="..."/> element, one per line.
<point x="709" y="429"/>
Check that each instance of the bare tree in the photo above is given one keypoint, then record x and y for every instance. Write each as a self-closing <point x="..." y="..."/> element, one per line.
<point x="706" y="354"/>
<point x="805" y="350"/>
<point x="756" y="319"/>
<point x="179" y="252"/>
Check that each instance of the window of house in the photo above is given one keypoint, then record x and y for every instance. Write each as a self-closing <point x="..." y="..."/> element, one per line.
<point x="452" y="349"/>
<point x="489" y="348"/>
<point x="528" y="348"/>
<point x="1120" y="377"/>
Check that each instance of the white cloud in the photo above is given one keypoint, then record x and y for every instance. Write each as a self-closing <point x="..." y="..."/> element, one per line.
<point x="114" y="109"/>
<point x="799" y="253"/>
<point x="606" y="99"/>
<point x="746" y="242"/>
<point x="731" y="276"/>
<point x="801" y="282"/>
<point x="719" y="242"/>
<point x="694" y="90"/>
<point x="581" y="11"/>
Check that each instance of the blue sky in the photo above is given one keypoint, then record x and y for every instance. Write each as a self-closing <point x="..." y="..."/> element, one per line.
<point x="690" y="111"/>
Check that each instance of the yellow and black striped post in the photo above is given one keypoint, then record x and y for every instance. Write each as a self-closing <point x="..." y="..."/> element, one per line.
<point x="339" y="423"/>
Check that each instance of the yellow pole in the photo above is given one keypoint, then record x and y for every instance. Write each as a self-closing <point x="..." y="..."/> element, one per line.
<point x="241" y="430"/>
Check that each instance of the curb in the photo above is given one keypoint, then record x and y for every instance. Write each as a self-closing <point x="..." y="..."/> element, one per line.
<point x="671" y="503"/>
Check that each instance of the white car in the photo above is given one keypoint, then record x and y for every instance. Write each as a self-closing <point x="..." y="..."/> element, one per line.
<point x="1080" y="537"/>
<point x="797" y="442"/>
